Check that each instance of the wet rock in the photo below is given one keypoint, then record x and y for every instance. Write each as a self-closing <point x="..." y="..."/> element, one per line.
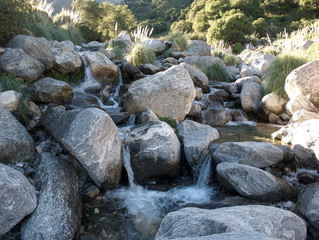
<point x="199" y="78"/>
<point x="17" y="198"/>
<point x="303" y="115"/>
<point x="198" y="48"/>
<point x="288" y="154"/>
<point x="237" y="115"/>
<point x="38" y="48"/>
<point x="149" y="69"/>
<point x="92" y="191"/>
<point x="273" y="118"/>
<point x="195" y="222"/>
<point x="251" y="96"/>
<point x="196" y="138"/>
<point x="167" y="94"/>
<point x="129" y="72"/>
<point x="241" y="81"/>
<point x="222" y="94"/>
<point x="203" y="61"/>
<point x="255" y="154"/>
<point x="306" y="177"/>
<point x="92" y="137"/>
<point x="199" y="93"/>
<point x="231" y="88"/>
<point x="18" y="63"/>
<point x="272" y="103"/>
<point x="155" y="45"/>
<point x="253" y="183"/>
<point x="15" y="142"/>
<point x="215" y="115"/>
<point x="147" y="116"/>
<point x="304" y="157"/>
<point x="195" y="110"/>
<point x="10" y="100"/>
<point x="49" y="90"/>
<point x="59" y="211"/>
<point x="155" y="151"/>
<point x="92" y="46"/>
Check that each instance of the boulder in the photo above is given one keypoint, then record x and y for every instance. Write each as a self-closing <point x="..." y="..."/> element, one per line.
<point x="303" y="157"/>
<point x="272" y="103"/>
<point x="155" y="45"/>
<point x="17" y="198"/>
<point x="16" y="144"/>
<point x="103" y="69"/>
<point x="59" y="211"/>
<point x="231" y="236"/>
<point x="304" y="81"/>
<point x="249" y="70"/>
<point x="308" y="206"/>
<point x="255" y="154"/>
<point x="251" y="95"/>
<point x="196" y="138"/>
<point x="199" y="93"/>
<point x="303" y="115"/>
<point x="92" y="46"/>
<point x="195" y="222"/>
<point x="10" y="100"/>
<point x="253" y="183"/>
<point x="38" y="48"/>
<point x="49" y="90"/>
<point x="202" y="61"/>
<point x="109" y="53"/>
<point x="155" y="151"/>
<point x="262" y="62"/>
<point x="305" y="133"/>
<point x="299" y="102"/>
<point x="92" y="137"/>
<point x="67" y="59"/>
<point x="198" y="48"/>
<point x="147" y="116"/>
<point x="195" y="110"/>
<point x="16" y="62"/>
<point x="167" y="94"/>
<point x="241" y="81"/>
<point x="215" y="115"/>
<point x="199" y="78"/>
<point x="149" y="69"/>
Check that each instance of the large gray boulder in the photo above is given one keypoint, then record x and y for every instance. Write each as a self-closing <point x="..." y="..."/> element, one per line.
<point x="17" y="198"/>
<point x="103" y="69"/>
<point x="297" y="103"/>
<point x="308" y="205"/>
<point x="304" y="133"/>
<point x="196" y="138"/>
<point x="199" y="78"/>
<point x="202" y="61"/>
<point x="250" y="97"/>
<point x="38" y="48"/>
<point x="10" y="100"/>
<point x="67" y="59"/>
<point x="155" y="45"/>
<point x="167" y="94"/>
<point x="198" y="48"/>
<point x="155" y="151"/>
<point x="272" y="103"/>
<point x="49" y="90"/>
<point x="16" y="144"/>
<point x="231" y="236"/>
<point x="195" y="222"/>
<point x="215" y="115"/>
<point x="253" y="183"/>
<point x="16" y="62"/>
<point x="59" y="211"/>
<point x="304" y="81"/>
<point x="262" y="62"/>
<point x="255" y="154"/>
<point x="92" y="137"/>
<point x="303" y="115"/>
<point x="241" y="81"/>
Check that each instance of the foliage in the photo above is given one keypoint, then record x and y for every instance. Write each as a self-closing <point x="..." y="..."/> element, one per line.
<point x="275" y="77"/>
<point x="140" y="55"/>
<point x="310" y="7"/>
<point x="169" y="121"/>
<point x="217" y="72"/>
<point x="270" y="50"/>
<point x="260" y="27"/>
<point x="238" y="48"/>
<point x="118" y="52"/>
<point x="181" y="26"/>
<point x="157" y="26"/>
<point x="69" y="17"/>
<point x="10" y="83"/>
<point x="228" y="59"/>
<point x="180" y="39"/>
<point x="141" y="34"/>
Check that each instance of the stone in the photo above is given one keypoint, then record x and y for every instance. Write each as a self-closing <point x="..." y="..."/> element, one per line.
<point x="234" y="72"/>
<point x="299" y="102"/>
<point x="231" y="88"/>
<point x="253" y="183"/>
<point x="92" y="137"/>
<point x="170" y="60"/>
<point x="251" y="70"/>
<point x="2" y="50"/>
<point x="59" y="211"/>
<point x="17" y="198"/>
<point x="237" y="115"/>
<point x="305" y="44"/>
<point x="199" y="78"/>
<point x="149" y="69"/>
<point x="273" y="118"/>
<point x="196" y="138"/>
<point x="304" y="81"/>
<point x="246" y="73"/>
<point x="129" y="71"/>
<point x="306" y="177"/>
<point x="289" y="155"/>
<point x="202" y="61"/>
<point x="147" y="116"/>
<point x="103" y="69"/>
<point x="155" y="45"/>
<point x="262" y="62"/>
<point x="155" y="152"/>
<point x="231" y="236"/>
<point x="215" y="115"/>
<point x="303" y="115"/>
<point x="50" y="90"/>
<point x="198" y="48"/>
<point x="272" y="103"/>
<point x="10" y="100"/>
<point x="195" y="222"/>
<point x="304" y="158"/>
<point x="67" y="59"/>
<point x="255" y="154"/>
<point x="109" y="53"/>
<point x="251" y="95"/>
<point x="18" y="63"/>
<point x="167" y="94"/>
<point x="223" y="94"/>
<point x="195" y="110"/>
<point x="16" y="144"/>
<point x="241" y="81"/>
<point x="305" y="133"/>
<point x="199" y="93"/>
<point x="38" y="48"/>
<point x="92" y="46"/>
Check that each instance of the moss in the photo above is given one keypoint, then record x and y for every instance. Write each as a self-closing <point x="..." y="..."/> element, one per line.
<point x="169" y="121"/>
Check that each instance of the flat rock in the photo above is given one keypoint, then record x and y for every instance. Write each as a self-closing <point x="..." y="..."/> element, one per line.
<point x="202" y="61"/>
<point x="231" y="236"/>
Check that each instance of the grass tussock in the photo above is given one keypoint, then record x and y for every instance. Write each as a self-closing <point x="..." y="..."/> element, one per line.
<point x="275" y="77"/>
<point x="9" y="83"/>
<point x="229" y="59"/>
<point x="140" y="55"/>
<point x="217" y="72"/>
<point x="180" y="39"/>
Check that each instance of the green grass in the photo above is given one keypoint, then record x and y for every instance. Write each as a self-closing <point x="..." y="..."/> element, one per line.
<point x="10" y="83"/>
<point x="117" y="44"/>
<point x="180" y="39"/>
<point x="217" y="72"/>
<point x="140" y="55"/>
<point x="229" y="59"/>
<point x="275" y="77"/>
<point x="169" y="121"/>
<point x="118" y="52"/>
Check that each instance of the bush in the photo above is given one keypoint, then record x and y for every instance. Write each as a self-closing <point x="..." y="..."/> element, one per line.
<point x="228" y="59"/>
<point x="238" y="48"/>
<point x="140" y="55"/>
<point x="180" y="39"/>
<point x="217" y="72"/>
<point x="169" y="121"/>
<point x="275" y="77"/>
<point x="260" y="26"/>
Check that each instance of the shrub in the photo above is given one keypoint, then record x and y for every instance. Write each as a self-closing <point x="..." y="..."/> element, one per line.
<point x="169" y="121"/>
<point x="270" y="50"/>
<point x="140" y="55"/>
<point x="238" y="48"/>
<point x="260" y="26"/>
<point x="180" y="39"/>
<point x="118" y="52"/>
<point x="117" y="44"/>
<point x="217" y="72"/>
<point x="228" y="59"/>
<point x="275" y="77"/>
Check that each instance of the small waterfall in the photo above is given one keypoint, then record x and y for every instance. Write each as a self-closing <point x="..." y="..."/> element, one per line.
<point x="127" y="164"/>
<point x="203" y="170"/>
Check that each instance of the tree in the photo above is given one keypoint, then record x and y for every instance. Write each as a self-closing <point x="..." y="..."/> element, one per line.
<point x="260" y="27"/>
<point x="310" y="7"/>
<point x="251" y="8"/>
